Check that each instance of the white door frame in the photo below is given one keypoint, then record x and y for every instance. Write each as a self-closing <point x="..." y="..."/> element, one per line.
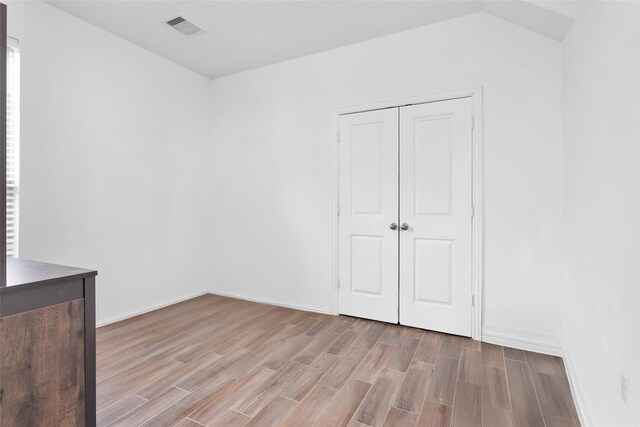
<point x="478" y="218"/>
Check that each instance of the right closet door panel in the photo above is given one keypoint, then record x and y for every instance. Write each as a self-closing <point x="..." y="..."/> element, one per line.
<point x="435" y="156"/>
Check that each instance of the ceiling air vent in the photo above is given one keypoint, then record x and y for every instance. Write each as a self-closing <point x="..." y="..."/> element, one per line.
<point x="185" y="27"/>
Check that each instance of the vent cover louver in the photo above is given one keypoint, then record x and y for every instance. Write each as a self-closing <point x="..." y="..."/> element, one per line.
<point x="185" y="27"/>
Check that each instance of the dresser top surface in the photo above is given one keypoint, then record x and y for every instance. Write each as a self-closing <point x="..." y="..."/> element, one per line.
<point x="23" y="272"/>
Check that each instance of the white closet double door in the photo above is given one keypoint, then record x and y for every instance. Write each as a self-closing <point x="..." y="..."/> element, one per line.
<point x="405" y="224"/>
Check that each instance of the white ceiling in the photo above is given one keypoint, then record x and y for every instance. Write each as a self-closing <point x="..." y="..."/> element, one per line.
<point x="241" y="35"/>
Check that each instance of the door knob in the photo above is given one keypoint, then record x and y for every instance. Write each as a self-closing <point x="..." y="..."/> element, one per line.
<point x="393" y="226"/>
<point x="404" y="226"/>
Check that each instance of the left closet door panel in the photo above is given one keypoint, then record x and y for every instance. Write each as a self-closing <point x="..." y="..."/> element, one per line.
<point x="368" y="193"/>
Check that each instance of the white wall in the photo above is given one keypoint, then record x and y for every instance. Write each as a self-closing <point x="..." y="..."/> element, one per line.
<point x="602" y="208"/>
<point x="273" y="144"/>
<point x="142" y="193"/>
<point x="113" y="140"/>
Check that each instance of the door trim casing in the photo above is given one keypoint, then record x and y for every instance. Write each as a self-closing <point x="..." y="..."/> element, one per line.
<point x="477" y="274"/>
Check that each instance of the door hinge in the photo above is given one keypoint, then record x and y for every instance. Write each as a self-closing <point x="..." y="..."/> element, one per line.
<point x="473" y="211"/>
<point x="473" y="300"/>
<point x="338" y="283"/>
<point x="338" y="210"/>
<point x="338" y="138"/>
<point x="473" y="122"/>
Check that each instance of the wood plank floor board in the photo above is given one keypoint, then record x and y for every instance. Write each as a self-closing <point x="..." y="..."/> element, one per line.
<point x="150" y="409"/>
<point x="300" y="328"/>
<point x="344" y="342"/>
<point x="299" y="387"/>
<point x="404" y="351"/>
<point x="270" y="335"/>
<point x="117" y="361"/>
<point x="318" y="346"/>
<point x="301" y="316"/>
<point x="552" y="402"/>
<point x="286" y="351"/>
<point x="496" y="403"/>
<point x="266" y="391"/>
<point x="519" y="377"/>
<point x="526" y="412"/>
<point x="492" y="355"/>
<point x="410" y="332"/>
<point x="373" y="363"/>
<point x="371" y="335"/>
<point x="451" y="346"/>
<point x="553" y="421"/>
<point x="160" y="381"/>
<point x="235" y="342"/>
<point x="211" y="370"/>
<point x="310" y="409"/>
<point x="443" y="381"/>
<point x="413" y="389"/>
<point x="345" y="404"/>
<point x="514" y="354"/>
<point x="343" y="368"/>
<point x="185" y="324"/>
<point x="539" y="363"/>
<point x="323" y="323"/>
<point x="230" y="418"/>
<point x="470" y="343"/>
<point x="391" y="335"/>
<point x="429" y="347"/>
<point x="251" y="359"/>
<point x="271" y="318"/>
<point x="524" y="402"/>
<point x="435" y="415"/>
<point x="273" y="413"/>
<point x="341" y="324"/>
<point x="121" y="407"/>
<point x="112" y="389"/>
<point x="197" y="352"/>
<point x="496" y="417"/>
<point x="186" y="422"/>
<point x="561" y="376"/>
<point x="179" y="410"/>
<point x="151" y="336"/>
<point x="467" y="408"/>
<point x="218" y="361"/>
<point x="399" y="418"/>
<point x="495" y="388"/>
<point x="470" y="368"/>
<point x="212" y="409"/>
<point x="375" y="406"/>
<point x="138" y="368"/>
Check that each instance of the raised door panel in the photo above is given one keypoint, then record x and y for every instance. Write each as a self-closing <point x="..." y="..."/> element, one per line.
<point x="367" y="169"/>
<point x="43" y="372"/>
<point x="433" y="271"/>
<point x="432" y="166"/>
<point x="367" y="259"/>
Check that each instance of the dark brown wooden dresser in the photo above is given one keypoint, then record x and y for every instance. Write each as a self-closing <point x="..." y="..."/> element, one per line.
<point x="47" y="345"/>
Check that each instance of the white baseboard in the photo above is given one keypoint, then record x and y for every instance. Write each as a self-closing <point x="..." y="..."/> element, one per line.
<point x="303" y="307"/>
<point x="137" y="312"/>
<point x="523" y="340"/>
<point x="578" y="399"/>
<point x="133" y="313"/>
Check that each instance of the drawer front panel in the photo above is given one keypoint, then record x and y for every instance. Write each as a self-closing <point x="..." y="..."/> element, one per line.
<point x="43" y="366"/>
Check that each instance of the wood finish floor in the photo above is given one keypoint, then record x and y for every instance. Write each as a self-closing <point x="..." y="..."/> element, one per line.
<point x="218" y="361"/>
